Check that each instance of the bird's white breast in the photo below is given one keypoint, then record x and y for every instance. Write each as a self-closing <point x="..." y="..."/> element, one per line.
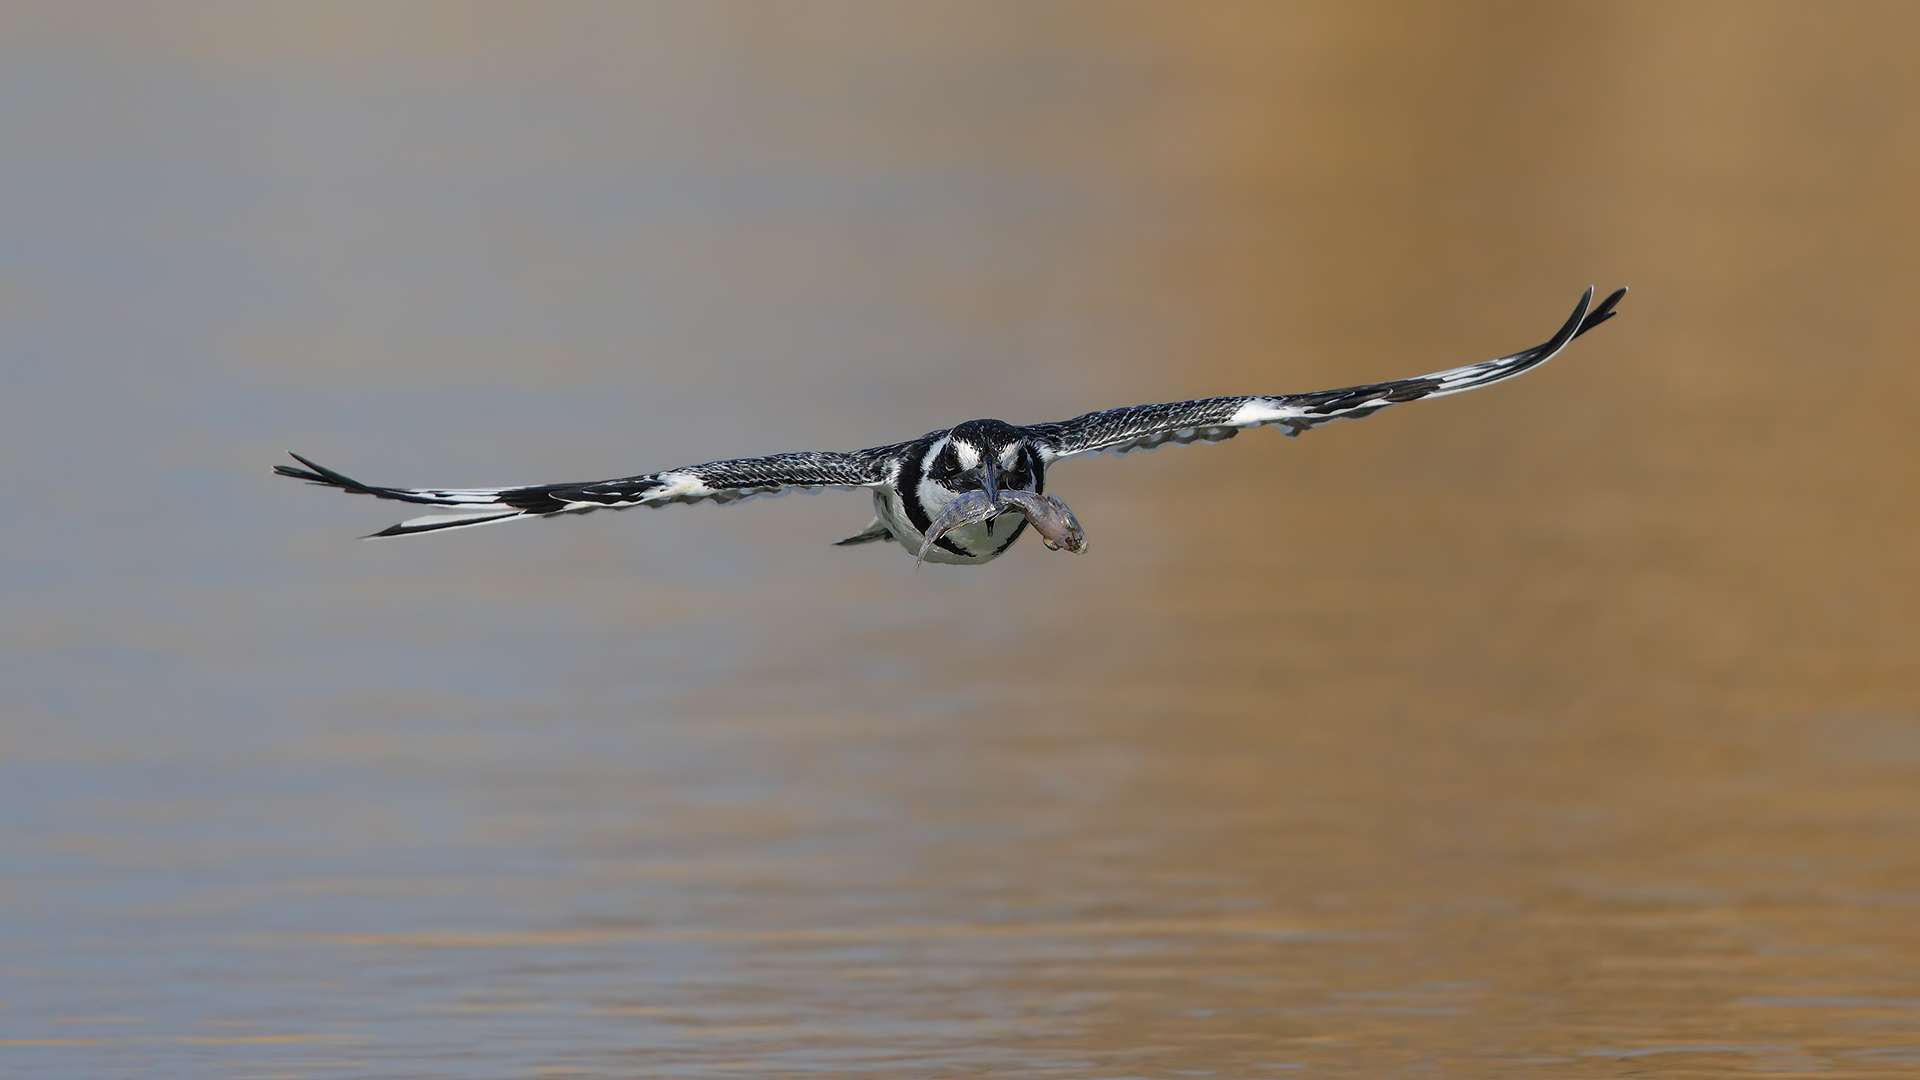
<point x="888" y="507"/>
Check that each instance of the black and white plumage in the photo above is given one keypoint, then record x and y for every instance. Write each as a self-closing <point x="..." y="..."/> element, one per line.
<point x="912" y="482"/>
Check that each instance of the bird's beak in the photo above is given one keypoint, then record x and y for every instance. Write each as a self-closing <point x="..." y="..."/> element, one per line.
<point x="989" y="472"/>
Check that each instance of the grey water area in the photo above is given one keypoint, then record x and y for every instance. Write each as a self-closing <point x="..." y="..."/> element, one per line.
<point x="257" y="774"/>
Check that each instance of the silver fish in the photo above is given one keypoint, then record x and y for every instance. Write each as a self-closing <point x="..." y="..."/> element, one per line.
<point x="1057" y="526"/>
<point x="1050" y="518"/>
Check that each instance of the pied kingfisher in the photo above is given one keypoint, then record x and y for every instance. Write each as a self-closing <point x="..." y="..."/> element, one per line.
<point x="940" y="494"/>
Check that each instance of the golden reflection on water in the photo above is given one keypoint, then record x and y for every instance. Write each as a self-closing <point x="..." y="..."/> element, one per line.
<point x="1567" y="728"/>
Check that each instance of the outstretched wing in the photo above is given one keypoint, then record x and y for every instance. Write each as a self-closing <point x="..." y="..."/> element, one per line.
<point x="1143" y="427"/>
<point x="716" y="481"/>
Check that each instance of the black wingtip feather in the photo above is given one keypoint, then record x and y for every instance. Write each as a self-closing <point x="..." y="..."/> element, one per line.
<point x="1601" y="313"/>
<point x="316" y="473"/>
<point x="1546" y="350"/>
<point x="320" y="474"/>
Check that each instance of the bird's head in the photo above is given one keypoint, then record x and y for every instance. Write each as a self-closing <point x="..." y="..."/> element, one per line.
<point x="988" y="455"/>
<point x="982" y="470"/>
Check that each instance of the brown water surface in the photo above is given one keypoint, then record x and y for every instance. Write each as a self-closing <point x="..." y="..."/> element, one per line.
<point x="1568" y="728"/>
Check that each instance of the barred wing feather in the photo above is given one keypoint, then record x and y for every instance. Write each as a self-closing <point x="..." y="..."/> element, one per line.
<point x="1143" y="427"/>
<point x="715" y="481"/>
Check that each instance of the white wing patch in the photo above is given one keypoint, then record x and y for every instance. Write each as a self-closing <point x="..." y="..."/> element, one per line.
<point x="1262" y="410"/>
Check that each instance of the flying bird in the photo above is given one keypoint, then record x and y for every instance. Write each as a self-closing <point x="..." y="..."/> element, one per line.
<point x="941" y="495"/>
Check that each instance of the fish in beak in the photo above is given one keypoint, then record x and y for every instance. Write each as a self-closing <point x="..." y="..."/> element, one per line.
<point x="1057" y="526"/>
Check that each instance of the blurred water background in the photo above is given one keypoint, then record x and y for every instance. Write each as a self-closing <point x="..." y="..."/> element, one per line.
<point x="1568" y="728"/>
